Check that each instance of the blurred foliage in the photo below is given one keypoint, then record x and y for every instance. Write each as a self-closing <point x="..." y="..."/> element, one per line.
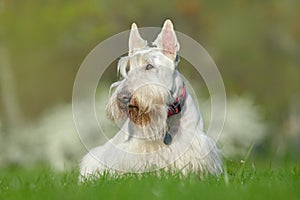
<point x="255" y="44"/>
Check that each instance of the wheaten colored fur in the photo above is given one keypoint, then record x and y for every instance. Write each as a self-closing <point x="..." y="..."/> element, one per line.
<point x="142" y="99"/>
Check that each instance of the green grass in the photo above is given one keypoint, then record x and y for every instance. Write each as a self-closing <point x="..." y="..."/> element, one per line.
<point x="241" y="181"/>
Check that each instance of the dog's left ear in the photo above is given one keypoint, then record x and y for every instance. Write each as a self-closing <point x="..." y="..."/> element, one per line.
<point x="167" y="40"/>
<point x="135" y="40"/>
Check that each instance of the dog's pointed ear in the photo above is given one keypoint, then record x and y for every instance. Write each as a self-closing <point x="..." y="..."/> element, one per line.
<point x="135" y="40"/>
<point x="167" y="40"/>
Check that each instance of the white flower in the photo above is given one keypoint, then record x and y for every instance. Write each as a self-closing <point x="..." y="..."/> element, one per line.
<point x="244" y="126"/>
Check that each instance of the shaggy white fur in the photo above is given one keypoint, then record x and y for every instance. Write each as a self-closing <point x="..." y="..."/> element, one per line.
<point x="150" y="85"/>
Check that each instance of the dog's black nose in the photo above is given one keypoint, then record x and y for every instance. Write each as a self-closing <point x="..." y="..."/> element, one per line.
<point x="124" y="98"/>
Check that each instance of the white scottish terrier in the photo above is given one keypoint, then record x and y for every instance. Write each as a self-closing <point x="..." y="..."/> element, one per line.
<point x="163" y="128"/>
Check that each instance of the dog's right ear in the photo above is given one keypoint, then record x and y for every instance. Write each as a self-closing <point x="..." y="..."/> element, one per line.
<point x="135" y="40"/>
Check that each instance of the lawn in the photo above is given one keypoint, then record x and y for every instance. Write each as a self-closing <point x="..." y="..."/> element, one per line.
<point x="241" y="181"/>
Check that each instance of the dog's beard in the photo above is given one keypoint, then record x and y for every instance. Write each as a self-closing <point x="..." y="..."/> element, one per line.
<point x="148" y="112"/>
<point x="114" y="109"/>
<point x="137" y="115"/>
<point x="150" y="125"/>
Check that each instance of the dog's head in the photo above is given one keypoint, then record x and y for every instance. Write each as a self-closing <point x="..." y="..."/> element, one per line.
<point x="150" y="81"/>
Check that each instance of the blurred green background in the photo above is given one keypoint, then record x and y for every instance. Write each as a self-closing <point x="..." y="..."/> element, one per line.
<point x="255" y="44"/>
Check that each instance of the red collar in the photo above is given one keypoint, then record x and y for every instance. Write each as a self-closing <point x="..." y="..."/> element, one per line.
<point x="176" y="107"/>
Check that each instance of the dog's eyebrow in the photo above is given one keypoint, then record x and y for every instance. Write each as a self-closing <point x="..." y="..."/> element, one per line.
<point x="115" y="84"/>
<point x="122" y="66"/>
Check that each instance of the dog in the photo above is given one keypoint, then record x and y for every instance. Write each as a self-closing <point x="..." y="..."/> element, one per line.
<point x="162" y="127"/>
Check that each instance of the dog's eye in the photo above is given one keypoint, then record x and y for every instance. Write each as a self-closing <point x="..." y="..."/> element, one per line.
<point x="149" y="66"/>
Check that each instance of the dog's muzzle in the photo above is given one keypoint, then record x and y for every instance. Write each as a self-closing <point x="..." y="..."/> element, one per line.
<point x="124" y="98"/>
